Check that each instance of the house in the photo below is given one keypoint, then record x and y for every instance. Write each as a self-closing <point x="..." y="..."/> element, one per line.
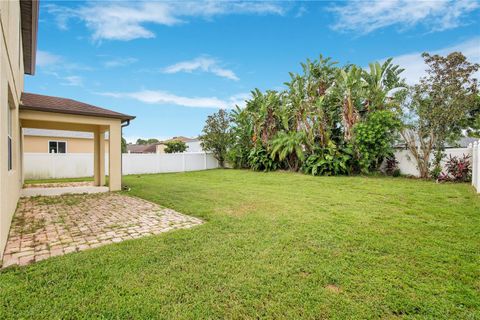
<point x="58" y="141"/>
<point x="193" y="144"/>
<point x="19" y="110"/>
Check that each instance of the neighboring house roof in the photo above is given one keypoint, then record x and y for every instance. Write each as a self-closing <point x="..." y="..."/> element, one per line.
<point x="141" y="148"/>
<point x="179" y="138"/>
<point x="151" y="148"/>
<point x="29" y="25"/>
<point x="464" y="142"/>
<point x="38" y="102"/>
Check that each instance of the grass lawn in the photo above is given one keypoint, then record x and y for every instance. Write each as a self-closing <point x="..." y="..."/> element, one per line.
<point x="275" y="245"/>
<point x="38" y="181"/>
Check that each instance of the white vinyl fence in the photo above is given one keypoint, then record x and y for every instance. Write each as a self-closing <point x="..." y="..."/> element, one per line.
<point x="73" y="165"/>
<point x="475" y="150"/>
<point x="408" y="165"/>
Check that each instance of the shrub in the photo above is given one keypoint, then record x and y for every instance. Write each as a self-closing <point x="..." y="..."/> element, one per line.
<point x="391" y="166"/>
<point x="458" y="169"/>
<point x="396" y="173"/>
<point x="259" y="160"/>
<point x="328" y="161"/>
<point x="374" y="139"/>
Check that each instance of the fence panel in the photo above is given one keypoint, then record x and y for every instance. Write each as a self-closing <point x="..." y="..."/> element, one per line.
<point x="73" y="165"/>
<point x="407" y="164"/>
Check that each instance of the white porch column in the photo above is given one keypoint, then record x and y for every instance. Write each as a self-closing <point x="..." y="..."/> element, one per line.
<point x="115" y="157"/>
<point x="99" y="156"/>
<point x="22" y="169"/>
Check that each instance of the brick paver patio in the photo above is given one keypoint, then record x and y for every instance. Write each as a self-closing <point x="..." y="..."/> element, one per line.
<point x="45" y="227"/>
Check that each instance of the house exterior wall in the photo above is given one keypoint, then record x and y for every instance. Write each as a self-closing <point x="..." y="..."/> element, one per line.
<point x="11" y="87"/>
<point x="160" y="148"/>
<point x="194" y="146"/>
<point x="39" y="144"/>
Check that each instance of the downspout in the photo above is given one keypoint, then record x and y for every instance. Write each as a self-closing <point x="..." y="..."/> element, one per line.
<point x="121" y="155"/>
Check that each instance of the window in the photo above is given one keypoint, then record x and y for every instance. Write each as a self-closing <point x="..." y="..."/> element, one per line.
<point x="57" y="147"/>
<point x="10" y="134"/>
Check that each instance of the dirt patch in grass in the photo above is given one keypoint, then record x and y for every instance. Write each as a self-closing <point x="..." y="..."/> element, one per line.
<point x="333" y="288"/>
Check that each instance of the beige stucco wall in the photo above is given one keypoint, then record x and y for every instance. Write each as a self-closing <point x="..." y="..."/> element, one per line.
<point x="39" y="144"/>
<point x="11" y="83"/>
<point x="160" y="148"/>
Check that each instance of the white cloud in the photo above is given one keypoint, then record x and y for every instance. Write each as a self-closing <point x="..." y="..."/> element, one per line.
<point x="119" y="62"/>
<point x="45" y="58"/>
<point x="204" y="64"/>
<point x="166" y="98"/>
<point x="415" y="66"/>
<point x="76" y="81"/>
<point x="50" y="61"/>
<point x="71" y="80"/>
<point x="126" y="21"/>
<point x="368" y="16"/>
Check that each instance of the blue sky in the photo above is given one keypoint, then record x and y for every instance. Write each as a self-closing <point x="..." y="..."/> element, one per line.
<point x="171" y="64"/>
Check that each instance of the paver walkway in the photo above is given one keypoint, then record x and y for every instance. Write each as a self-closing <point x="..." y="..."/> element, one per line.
<point x="45" y="227"/>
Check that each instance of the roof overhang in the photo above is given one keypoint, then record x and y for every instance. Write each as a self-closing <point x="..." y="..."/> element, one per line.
<point x="122" y="117"/>
<point x="50" y="104"/>
<point x="29" y="21"/>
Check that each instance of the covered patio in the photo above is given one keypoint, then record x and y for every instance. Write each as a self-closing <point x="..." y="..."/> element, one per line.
<point x="47" y="112"/>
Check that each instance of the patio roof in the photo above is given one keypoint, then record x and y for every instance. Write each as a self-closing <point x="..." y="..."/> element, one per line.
<point x="38" y="102"/>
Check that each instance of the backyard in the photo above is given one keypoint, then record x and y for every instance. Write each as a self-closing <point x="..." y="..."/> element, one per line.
<point x="273" y="245"/>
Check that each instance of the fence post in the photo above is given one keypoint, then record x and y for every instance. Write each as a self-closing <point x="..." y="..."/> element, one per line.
<point x="477" y="166"/>
<point x="183" y="161"/>
<point x="470" y="148"/>
<point x="474" y="164"/>
<point x="205" y="160"/>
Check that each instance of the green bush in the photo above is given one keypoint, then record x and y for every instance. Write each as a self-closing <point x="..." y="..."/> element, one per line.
<point x="374" y="139"/>
<point x="175" y="146"/>
<point x="259" y="160"/>
<point x="328" y="161"/>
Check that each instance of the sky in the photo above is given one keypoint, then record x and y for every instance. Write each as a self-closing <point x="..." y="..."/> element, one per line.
<point x="171" y="64"/>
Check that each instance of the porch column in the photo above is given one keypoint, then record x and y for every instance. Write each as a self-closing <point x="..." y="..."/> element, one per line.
<point x="99" y="156"/>
<point x="22" y="169"/>
<point x="115" y="157"/>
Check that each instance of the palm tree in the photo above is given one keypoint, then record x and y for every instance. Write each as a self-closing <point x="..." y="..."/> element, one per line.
<point x="289" y="146"/>
<point x="382" y="81"/>
<point x="349" y="90"/>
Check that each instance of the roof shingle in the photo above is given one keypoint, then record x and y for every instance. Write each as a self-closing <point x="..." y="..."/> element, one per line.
<point x="38" y="102"/>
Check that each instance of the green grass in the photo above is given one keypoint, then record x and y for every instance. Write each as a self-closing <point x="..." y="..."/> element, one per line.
<point x="59" y="180"/>
<point x="274" y="245"/>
